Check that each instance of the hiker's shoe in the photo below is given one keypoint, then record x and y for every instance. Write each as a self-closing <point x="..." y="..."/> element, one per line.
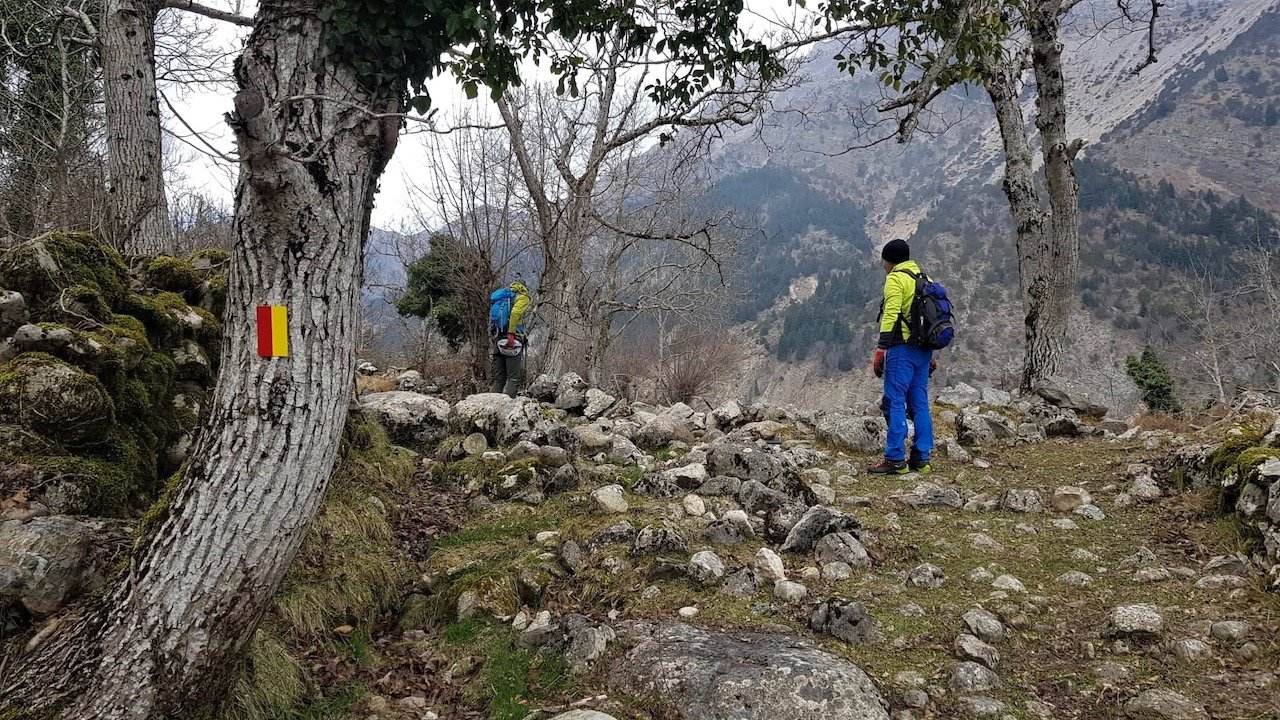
<point x="888" y="467"/>
<point x="920" y="466"/>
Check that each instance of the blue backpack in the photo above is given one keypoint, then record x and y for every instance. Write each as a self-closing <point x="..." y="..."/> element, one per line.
<point x="931" y="323"/>
<point x="500" y="310"/>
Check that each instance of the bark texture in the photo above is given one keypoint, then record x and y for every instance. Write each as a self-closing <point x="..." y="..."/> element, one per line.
<point x="1048" y="242"/>
<point x="135" y="151"/>
<point x="164" y="640"/>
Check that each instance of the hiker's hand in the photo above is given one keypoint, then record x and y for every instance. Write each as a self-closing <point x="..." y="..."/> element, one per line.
<point x="877" y="363"/>
<point x="933" y="365"/>
<point x="511" y="340"/>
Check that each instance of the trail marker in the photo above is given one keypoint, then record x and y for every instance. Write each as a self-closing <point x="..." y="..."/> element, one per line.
<point x="273" y="331"/>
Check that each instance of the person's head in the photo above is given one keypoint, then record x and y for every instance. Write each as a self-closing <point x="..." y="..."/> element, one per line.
<point x="894" y="252"/>
<point x="518" y="288"/>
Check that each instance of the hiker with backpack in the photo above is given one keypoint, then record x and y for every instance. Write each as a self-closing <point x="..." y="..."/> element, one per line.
<point x="915" y="320"/>
<point x="507" y="309"/>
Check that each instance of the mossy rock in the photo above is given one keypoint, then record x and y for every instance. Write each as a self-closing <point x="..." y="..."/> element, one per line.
<point x="1249" y="460"/>
<point x="76" y="264"/>
<point x="49" y="396"/>
<point x="210" y="259"/>
<point x="172" y="274"/>
<point x="169" y="320"/>
<point x="110" y="480"/>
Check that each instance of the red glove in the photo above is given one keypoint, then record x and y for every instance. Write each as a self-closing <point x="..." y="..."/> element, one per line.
<point x="511" y="340"/>
<point x="877" y="363"/>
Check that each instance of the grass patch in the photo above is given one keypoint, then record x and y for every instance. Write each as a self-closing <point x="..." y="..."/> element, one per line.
<point x="463" y="631"/>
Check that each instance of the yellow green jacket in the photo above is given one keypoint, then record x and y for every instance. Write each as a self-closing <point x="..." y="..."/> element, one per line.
<point x="519" y="307"/>
<point x="895" y="308"/>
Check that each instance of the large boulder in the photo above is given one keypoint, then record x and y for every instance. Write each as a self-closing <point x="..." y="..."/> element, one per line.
<point x="743" y="462"/>
<point x="709" y="675"/>
<point x="962" y="396"/>
<point x="409" y="417"/>
<point x="859" y="434"/>
<point x="976" y="430"/>
<point x="502" y="419"/>
<point x="45" y="394"/>
<point x="662" y="431"/>
<point x="817" y="523"/>
<point x="46" y="562"/>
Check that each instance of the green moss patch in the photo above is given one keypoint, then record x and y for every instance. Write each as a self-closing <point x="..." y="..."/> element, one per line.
<point x="170" y="273"/>
<point x="44" y="267"/>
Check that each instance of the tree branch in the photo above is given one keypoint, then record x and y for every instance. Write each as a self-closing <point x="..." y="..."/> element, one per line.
<point x="209" y="12"/>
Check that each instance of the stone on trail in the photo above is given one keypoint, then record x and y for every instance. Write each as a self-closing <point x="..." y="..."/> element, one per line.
<point x="1022" y="500"/>
<point x="1075" y="578"/>
<point x="789" y="592"/>
<point x="842" y="547"/>
<point x="930" y="495"/>
<point x="1090" y="512"/>
<point x="409" y="417"/>
<point x="743" y="583"/>
<point x="969" y="677"/>
<point x="980" y="707"/>
<point x="818" y="522"/>
<point x="926" y="576"/>
<point x="693" y="505"/>
<point x="743" y="675"/>
<point x="653" y="540"/>
<point x="768" y="565"/>
<point x="475" y="444"/>
<point x="706" y="568"/>
<point x="1009" y="583"/>
<point x="609" y="499"/>
<point x="1159" y="704"/>
<point x="1190" y="651"/>
<point x="984" y="625"/>
<point x="836" y="571"/>
<point x="968" y="647"/>
<point x="845" y="620"/>
<point x="1141" y="621"/>
<point x="1221" y="582"/>
<point x="1230" y="630"/>
<point x="1070" y="497"/>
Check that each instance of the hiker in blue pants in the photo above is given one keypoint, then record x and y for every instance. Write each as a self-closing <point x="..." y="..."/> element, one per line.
<point x="904" y="367"/>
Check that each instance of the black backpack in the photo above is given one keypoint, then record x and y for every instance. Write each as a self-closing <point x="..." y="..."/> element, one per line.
<point x="931" y="323"/>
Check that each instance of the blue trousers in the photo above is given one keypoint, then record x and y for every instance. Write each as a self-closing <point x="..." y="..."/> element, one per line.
<point x="906" y="389"/>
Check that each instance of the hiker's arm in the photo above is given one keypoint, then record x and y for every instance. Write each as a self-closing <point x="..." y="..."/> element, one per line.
<point x="519" y="307"/>
<point x="892" y="310"/>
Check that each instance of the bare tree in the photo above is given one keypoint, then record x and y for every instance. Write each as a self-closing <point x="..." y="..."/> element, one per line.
<point x="606" y="247"/>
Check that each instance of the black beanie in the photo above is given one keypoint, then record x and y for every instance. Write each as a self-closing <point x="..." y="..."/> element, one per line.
<point x="896" y="251"/>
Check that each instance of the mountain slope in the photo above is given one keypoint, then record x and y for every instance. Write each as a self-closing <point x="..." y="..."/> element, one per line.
<point x="941" y="190"/>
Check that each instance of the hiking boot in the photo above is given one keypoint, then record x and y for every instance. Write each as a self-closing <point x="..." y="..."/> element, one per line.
<point x="888" y="467"/>
<point x="920" y="466"/>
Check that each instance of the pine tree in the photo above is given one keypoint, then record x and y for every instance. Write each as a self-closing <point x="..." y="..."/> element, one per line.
<point x="1153" y="379"/>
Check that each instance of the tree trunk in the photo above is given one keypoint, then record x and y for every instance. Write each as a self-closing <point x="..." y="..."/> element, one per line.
<point x="1059" y="261"/>
<point x="1048" y="242"/>
<point x="135" y="152"/>
<point x="1028" y="217"/>
<point x="569" y="329"/>
<point x="162" y="642"/>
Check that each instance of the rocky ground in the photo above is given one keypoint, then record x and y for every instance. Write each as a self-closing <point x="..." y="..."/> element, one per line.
<point x="573" y="552"/>
<point x="738" y="562"/>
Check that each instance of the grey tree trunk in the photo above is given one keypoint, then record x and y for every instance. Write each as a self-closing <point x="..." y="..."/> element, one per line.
<point x="135" y="152"/>
<point x="1048" y="242"/>
<point x="571" y="331"/>
<point x="160" y="644"/>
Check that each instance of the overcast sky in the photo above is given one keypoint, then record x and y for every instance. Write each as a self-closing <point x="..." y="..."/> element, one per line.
<point x="201" y="109"/>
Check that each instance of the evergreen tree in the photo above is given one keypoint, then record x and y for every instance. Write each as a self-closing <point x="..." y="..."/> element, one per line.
<point x="1153" y="379"/>
<point x="438" y="288"/>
